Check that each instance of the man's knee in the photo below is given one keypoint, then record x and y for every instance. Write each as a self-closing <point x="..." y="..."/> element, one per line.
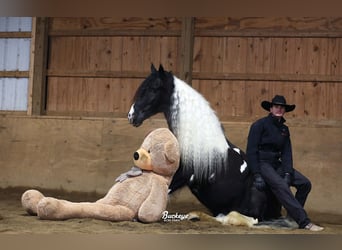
<point x="307" y="186"/>
<point x="304" y="186"/>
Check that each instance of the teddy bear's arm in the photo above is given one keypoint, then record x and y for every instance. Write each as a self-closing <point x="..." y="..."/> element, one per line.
<point x="152" y="208"/>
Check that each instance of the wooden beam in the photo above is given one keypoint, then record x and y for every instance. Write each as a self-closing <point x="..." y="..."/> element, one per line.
<point x="15" y="34"/>
<point x="38" y="64"/>
<point x="97" y="74"/>
<point x="109" y="32"/>
<point x="186" y="49"/>
<point x="267" y="77"/>
<point x="14" y="74"/>
<point x="271" y="33"/>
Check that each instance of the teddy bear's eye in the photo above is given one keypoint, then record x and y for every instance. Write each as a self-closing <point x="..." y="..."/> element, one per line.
<point x="148" y="151"/>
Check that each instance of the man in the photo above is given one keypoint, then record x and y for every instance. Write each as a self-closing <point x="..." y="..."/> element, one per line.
<point x="269" y="154"/>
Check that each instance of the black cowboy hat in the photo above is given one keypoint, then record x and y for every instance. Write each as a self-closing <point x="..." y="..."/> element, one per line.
<point x="278" y="100"/>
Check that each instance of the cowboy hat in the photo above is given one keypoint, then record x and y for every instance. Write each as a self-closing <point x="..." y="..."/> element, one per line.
<point x="277" y="100"/>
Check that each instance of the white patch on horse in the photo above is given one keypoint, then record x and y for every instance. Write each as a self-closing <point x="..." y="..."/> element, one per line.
<point x="191" y="178"/>
<point x="198" y="130"/>
<point x="237" y="150"/>
<point x="130" y="113"/>
<point x="243" y="167"/>
<point x="244" y="164"/>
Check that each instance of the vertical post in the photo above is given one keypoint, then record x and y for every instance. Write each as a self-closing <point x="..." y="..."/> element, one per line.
<point x="38" y="64"/>
<point x="186" y="49"/>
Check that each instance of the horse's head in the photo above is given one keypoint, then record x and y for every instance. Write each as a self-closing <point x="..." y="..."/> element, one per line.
<point x="152" y="96"/>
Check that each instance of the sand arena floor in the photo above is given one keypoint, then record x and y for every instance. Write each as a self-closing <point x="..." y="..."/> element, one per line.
<point x="14" y="220"/>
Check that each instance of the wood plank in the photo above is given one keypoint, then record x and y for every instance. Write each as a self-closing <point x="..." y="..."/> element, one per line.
<point x="313" y="100"/>
<point x="268" y="27"/>
<point x="15" y="35"/>
<point x="186" y="49"/>
<point x="266" y="77"/>
<point x="105" y="54"/>
<point x="38" y="64"/>
<point x="14" y="74"/>
<point x="263" y="33"/>
<point x="170" y="53"/>
<point x="90" y="95"/>
<point x="266" y="55"/>
<point x="114" y="23"/>
<point x="333" y="61"/>
<point x="97" y="74"/>
<point x="235" y="55"/>
<point x="113" y="33"/>
<point x="208" y="56"/>
<point x="116" y="54"/>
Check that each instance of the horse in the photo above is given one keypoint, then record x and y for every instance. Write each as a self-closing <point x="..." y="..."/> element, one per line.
<point x="213" y="168"/>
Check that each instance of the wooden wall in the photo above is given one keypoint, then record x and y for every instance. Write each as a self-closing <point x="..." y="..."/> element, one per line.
<point x="95" y="64"/>
<point x="240" y="62"/>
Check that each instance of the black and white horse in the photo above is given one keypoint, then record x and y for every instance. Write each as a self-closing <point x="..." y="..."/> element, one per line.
<point x="213" y="168"/>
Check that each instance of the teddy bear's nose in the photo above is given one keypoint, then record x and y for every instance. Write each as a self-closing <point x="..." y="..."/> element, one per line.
<point x="136" y="156"/>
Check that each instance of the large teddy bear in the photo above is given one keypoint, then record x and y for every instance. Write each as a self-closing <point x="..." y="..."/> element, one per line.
<point x="139" y="194"/>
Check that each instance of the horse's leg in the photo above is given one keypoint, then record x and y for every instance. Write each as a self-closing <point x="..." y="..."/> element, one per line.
<point x="178" y="180"/>
<point x="257" y="203"/>
<point x="273" y="209"/>
<point x="219" y="197"/>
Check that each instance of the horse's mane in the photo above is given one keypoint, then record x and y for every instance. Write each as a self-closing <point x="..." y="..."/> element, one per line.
<point x="201" y="138"/>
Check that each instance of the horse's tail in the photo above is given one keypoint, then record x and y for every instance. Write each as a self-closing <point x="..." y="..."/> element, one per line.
<point x="281" y="223"/>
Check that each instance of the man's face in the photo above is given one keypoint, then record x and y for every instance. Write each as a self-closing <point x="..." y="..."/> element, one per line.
<point x="277" y="110"/>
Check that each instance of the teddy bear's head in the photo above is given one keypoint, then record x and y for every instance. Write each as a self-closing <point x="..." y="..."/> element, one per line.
<point x="159" y="153"/>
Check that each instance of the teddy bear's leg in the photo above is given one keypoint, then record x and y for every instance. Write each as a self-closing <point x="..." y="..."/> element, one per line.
<point x="30" y="200"/>
<point x="54" y="209"/>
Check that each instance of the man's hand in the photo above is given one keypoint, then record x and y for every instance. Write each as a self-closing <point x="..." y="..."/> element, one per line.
<point x="288" y="178"/>
<point x="259" y="182"/>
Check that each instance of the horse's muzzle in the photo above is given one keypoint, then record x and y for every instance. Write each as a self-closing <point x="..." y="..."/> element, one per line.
<point x="133" y="121"/>
<point x="130" y="115"/>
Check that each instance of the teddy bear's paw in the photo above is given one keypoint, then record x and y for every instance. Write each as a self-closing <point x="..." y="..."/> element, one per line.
<point x="49" y="208"/>
<point x="30" y="200"/>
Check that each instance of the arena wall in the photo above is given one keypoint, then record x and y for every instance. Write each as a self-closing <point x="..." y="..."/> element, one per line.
<point x="87" y="154"/>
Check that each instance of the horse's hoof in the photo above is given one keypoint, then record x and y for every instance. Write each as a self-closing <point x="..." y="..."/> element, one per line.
<point x="193" y="216"/>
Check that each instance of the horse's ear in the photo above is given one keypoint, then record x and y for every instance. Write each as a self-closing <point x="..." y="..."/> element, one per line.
<point x="153" y="69"/>
<point x="161" y="69"/>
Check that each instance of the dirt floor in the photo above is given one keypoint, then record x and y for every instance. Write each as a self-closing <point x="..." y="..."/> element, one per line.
<point x="14" y="220"/>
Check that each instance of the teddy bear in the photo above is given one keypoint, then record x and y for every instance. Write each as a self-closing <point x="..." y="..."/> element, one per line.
<point x="139" y="194"/>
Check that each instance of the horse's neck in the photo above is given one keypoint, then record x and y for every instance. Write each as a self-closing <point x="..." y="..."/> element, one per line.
<point x="190" y="112"/>
<point x="195" y="125"/>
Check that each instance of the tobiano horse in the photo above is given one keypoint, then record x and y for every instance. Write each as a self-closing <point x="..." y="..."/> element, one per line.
<point x="212" y="167"/>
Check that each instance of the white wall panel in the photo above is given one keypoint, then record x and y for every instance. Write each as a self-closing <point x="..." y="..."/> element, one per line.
<point x="14" y="54"/>
<point x="15" y="24"/>
<point x="13" y="94"/>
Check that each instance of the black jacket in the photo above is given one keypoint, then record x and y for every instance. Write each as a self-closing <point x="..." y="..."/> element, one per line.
<point x="269" y="140"/>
